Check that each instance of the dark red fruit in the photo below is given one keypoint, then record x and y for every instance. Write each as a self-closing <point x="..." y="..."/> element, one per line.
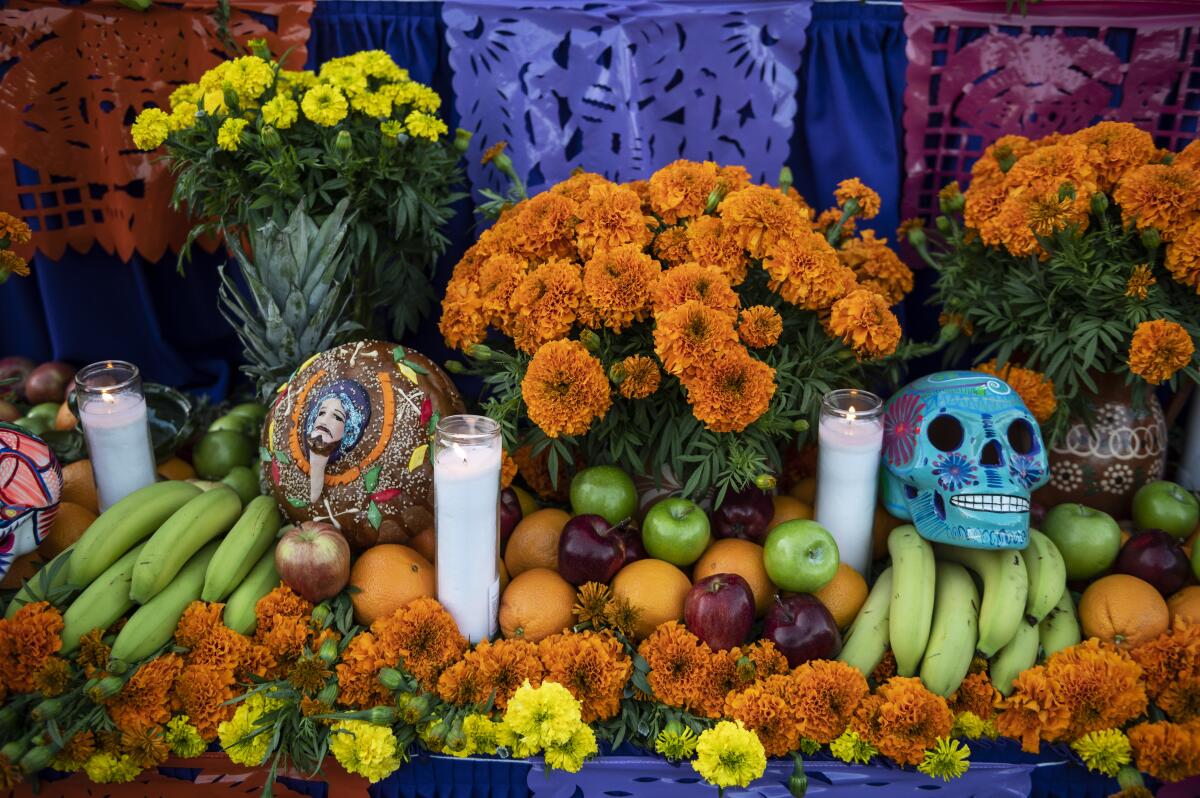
<point x="590" y="550"/>
<point x="719" y="609"/>
<point x="510" y="513"/>
<point x="1157" y="558"/>
<point x="802" y="629"/>
<point x="745" y="514"/>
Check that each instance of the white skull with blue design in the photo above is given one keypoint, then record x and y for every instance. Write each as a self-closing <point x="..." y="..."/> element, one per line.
<point x="961" y="455"/>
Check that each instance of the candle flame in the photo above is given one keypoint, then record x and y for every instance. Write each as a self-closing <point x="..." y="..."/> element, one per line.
<point x="851" y="413"/>
<point x="458" y="451"/>
<point x="107" y="397"/>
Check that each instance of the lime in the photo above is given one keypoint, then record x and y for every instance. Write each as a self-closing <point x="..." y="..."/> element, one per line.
<point x="250" y="410"/>
<point x="235" y="423"/>
<point x="46" y="410"/>
<point x="35" y="424"/>
<point x="218" y="452"/>
<point x="244" y="481"/>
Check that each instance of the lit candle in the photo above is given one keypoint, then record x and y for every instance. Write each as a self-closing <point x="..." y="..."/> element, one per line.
<point x="466" y="489"/>
<point x="116" y="427"/>
<point x="850" y="440"/>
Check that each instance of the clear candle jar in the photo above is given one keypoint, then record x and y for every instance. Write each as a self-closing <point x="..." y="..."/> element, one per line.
<point x="849" y="445"/>
<point x="116" y="426"/>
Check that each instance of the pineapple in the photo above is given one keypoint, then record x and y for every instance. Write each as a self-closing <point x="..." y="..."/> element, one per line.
<point x="297" y="278"/>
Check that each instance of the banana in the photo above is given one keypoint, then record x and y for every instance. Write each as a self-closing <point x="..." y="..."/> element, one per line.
<point x="102" y="602"/>
<point x="262" y="579"/>
<point x="1005" y="587"/>
<point x="954" y="632"/>
<point x="913" y="579"/>
<point x="1020" y="654"/>
<point x="252" y="535"/>
<point x="152" y="625"/>
<point x="1047" y="576"/>
<point x="1060" y="629"/>
<point x="125" y="524"/>
<point x="208" y="515"/>
<point x="41" y="585"/>
<point x="867" y="637"/>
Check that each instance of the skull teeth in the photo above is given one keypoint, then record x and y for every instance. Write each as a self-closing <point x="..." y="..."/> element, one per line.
<point x="991" y="502"/>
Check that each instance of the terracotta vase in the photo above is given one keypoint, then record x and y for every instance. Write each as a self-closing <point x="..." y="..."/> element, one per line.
<point x="1104" y="466"/>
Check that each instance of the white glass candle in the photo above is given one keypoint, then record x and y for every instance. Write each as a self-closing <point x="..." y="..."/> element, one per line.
<point x="116" y="427"/>
<point x="850" y="440"/>
<point x="466" y="491"/>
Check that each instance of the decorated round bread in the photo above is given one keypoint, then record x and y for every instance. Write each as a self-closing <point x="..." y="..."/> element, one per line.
<point x="348" y="439"/>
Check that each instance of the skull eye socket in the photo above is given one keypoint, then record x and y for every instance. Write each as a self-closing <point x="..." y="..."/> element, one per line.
<point x="1021" y="437"/>
<point x="946" y="433"/>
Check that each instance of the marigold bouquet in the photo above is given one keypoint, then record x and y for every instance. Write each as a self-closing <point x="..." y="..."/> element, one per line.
<point x="690" y="321"/>
<point x="13" y="232"/>
<point x="1076" y="255"/>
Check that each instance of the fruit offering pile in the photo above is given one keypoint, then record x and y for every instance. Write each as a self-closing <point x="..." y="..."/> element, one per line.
<point x="33" y="397"/>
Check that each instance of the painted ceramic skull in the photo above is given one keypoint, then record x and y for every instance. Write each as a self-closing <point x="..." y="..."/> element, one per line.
<point x="30" y="487"/>
<point x="962" y="454"/>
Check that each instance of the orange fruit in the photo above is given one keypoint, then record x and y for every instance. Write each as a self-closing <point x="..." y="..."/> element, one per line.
<point x="1185" y="606"/>
<point x="175" y="468"/>
<point x="425" y="543"/>
<point x="844" y="595"/>
<point x="79" y="485"/>
<point x="741" y="557"/>
<point x="21" y="569"/>
<point x="534" y="543"/>
<point x="1125" y="536"/>
<point x="656" y="589"/>
<point x="70" y="522"/>
<point x="805" y="490"/>
<point x="1124" y="610"/>
<point x="1187" y="546"/>
<point x="788" y="508"/>
<point x="885" y="522"/>
<point x="504" y="580"/>
<point x="536" y="604"/>
<point x="65" y="419"/>
<point x="388" y="577"/>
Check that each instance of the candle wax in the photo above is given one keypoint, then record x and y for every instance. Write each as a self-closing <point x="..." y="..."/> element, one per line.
<point x="466" y="486"/>
<point x="117" y="429"/>
<point x="847" y="472"/>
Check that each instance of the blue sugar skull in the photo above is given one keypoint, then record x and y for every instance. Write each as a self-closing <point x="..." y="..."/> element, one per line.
<point x="961" y="455"/>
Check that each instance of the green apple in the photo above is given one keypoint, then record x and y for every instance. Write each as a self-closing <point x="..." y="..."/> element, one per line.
<point x="46" y="410"/>
<point x="251" y="410"/>
<point x="800" y="556"/>
<point x="1166" y="506"/>
<point x="34" y="424"/>
<point x="1088" y="539"/>
<point x="606" y="491"/>
<point x="219" y="452"/>
<point x="1196" y="559"/>
<point x="675" y="530"/>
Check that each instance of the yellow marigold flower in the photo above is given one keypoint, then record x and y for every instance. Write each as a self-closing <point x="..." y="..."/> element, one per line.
<point x="424" y="126"/>
<point x="610" y="216"/>
<point x="544" y="304"/>
<point x="324" y="105"/>
<point x="1166" y="198"/>
<point x="365" y="748"/>
<point x="564" y="389"/>
<point x="543" y="716"/>
<point x="183" y="738"/>
<point x="731" y="391"/>
<point x="391" y="128"/>
<point x="968" y="724"/>
<point x="759" y="217"/>
<point x="866" y="199"/>
<point x="150" y="129"/>
<point x="418" y="96"/>
<point x="1159" y="349"/>
<point x="617" y="283"/>
<point x="709" y="246"/>
<point x="289" y="79"/>
<point x="636" y="377"/>
<point x="103" y="768"/>
<point x="946" y="760"/>
<point x="1139" y="282"/>
<point x="760" y="326"/>
<point x="729" y="755"/>
<point x="806" y="272"/>
<point x="1114" y="148"/>
<point x="865" y="323"/>
<point x="690" y="334"/>
<point x="681" y="189"/>
<point x="1035" y="390"/>
<point x="675" y="741"/>
<point x="851" y="748"/>
<point x="1104" y="751"/>
<point x="281" y="111"/>
<point x="372" y="103"/>
<point x="691" y="281"/>
<point x="230" y="134"/>
<point x="189" y="93"/>
<point x="343" y="74"/>
<point x="243" y="740"/>
<point x="877" y="267"/>
<point x="249" y="76"/>
<point x="1183" y="256"/>
<point x="183" y="116"/>
<point x="570" y="754"/>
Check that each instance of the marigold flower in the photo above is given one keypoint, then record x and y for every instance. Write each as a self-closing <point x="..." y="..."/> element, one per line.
<point x="1035" y="390"/>
<point x="325" y="105"/>
<point x="183" y="738"/>
<point x="1183" y="256"/>
<point x="508" y="470"/>
<point x="591" y="600"/>
<point x="984" y="200"/>
<point x="492" y="669"/>
<point x="825" y="695"/>
<point x="570" y="754"/>
<point x="831" y="216"/>
<point x="852" y="749"/>
<point x="623" y="616"/>
<point x="565" y="389"/>
<point x="1159" y="349"/>
<point x="144" y="700"/>
<point x="12" y="263"/>
<point x="903" y="719"/>
<point x="542" y="716"/>
<point x="463" y="323"/>
<point x="309" y="674"/>
<point x="1167" y="751"/>
<point x="535" y="471"/>
<point x="998" y="157"/>
<point x="52" y="678"/>
<point x="422" y="635"/>
<point x="1114" y="148"/>
<point x="681" y="189"/>
<point x="93" y="653"/>
<point x="678" y="663"/>
<point x="105" y="768"/>
<point x="1167" y="656"/>
<point x="767" y="713"/>
<point x="364" y="748"/>
<point x="197" y="622"/>
<point x="281" y="112"/>
<point x="1180" y="699"/>
<point x="866" y="198"/>
<point x="731" y="391"/>
<point x="968" y="724"/>
<point x="671" y="246"/>
<point x="27" y="641"/>
<point x="358" y="673"/>
<point x="1104" y="750"/>
<point x="1034" y="210"/>
<point x="1032" y="711"/>
<point x="946" y="760"/>
<point x="150" y="129"/>
<point x="675" y="742"/>
<point x="708" y="245"/>
<point x="805" y="271"/>
<point x="1166" y="198"/>
<point x="1138" y="286"/>
<point x="545" y="303"/>
<point x="611" y="216"/>
<point x="693" y="282"/>
<point x="593" y="666"/>
<point x="543" y="226"/>
<point x="975" y="695"/>
<point x="578" y="185"/>
<point x="244" y="739"/>
<point x="202" y="692"/>
<point x="498" y="278"/>
<point x="1100" y="687"/>
<point x="146" y="746"/>
<point x="759" y="217"/>
<point x="760" y="326"/>
<point x="1054" y="164"/>
<point x="636" y="376"/>
<point x="14" y="230"/>
<point x="491" y="152"/>
<point x="877" y="267"/>
<point x="691" y="334"/>
<point x="79" y="749"/>
<point x="618" y="283"/>
<point x="865" y="323"/>
<point x="729" y="755"/>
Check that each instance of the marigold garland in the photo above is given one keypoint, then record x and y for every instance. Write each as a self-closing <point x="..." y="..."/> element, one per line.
<point x="903" y="719"/>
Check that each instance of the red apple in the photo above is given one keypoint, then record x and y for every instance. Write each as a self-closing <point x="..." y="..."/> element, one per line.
<point x="719" y="609"/>
<point x="510" y="513"/>
<point x="1157" y="558"/>
<point x="48" y="383"/>
<point x="634" y="550"/>
<point x="802" y="629"/>
<point x="745" y="514"/>
<point x="590" y="550"/>
<point x="314" y="560"/>
<point x="18" y="367"/>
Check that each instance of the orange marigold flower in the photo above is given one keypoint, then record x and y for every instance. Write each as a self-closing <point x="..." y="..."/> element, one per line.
<point x="565" y="389"/>
<point x="281" y="625"/>
<point x="708" y="245"/>
<point x="681" y="189"/>
<point x="545" y="303"/>
<point x="12" y="263"/>
<point x="611" y="216"/>
<point x="1159" y="349"/>
<point x="976" y="694"/>
<point x="984" y="200"/>
<point x="14" y="230"/>
<point x="358" y="673"/>
<point x="463" y="323"/>
<point x="731" y="390"/>
<point x="1113" y="148"/>
<point x="760" y="326"/>
<point x="691" y="281"/>
<point x="1164" y="197"/>
<point x="1100" y="687"/>
<point x="535" y="470"/>
<point x="461" y="685"/>
<point x="798" y="198"/>
<point x="618" y="282"/>
<point x="259" y="662"/>
<point x="690" y="334"/>
<point x="1169" y="655"/>
<point x="759" y="217"/>
<point x="424" y="636"/>
<point x="309" y="674"/>
<point x="679" y="665"/>
<point x="52" y="678"/>
<point x="543" y="226"/>
<point x="671" y="246"/>
<point x="642" y="187"/>
<point x="197" y="621"/>
<point x="1034" y="210"/>
<point x="1032" y="711"/>
<point x="508" y="470"/>
<point x="593" y="666"/>
<point x="831" y="216"/>
<point x="1180" y="699"/>
<point x="499" y="277"/>
<point x="1189" y="156"/>
<point x="1183" y="256"/>
<point x="854" y="189"/>
<point x="491" y="152"/>
<point x="877" y="267"/>
<point x="886" y="668"/>
<point x="93" y="653"/>
<point x="636" y="376"/>
<point x="907" y="226"/>
<point x="766" y="710"/>
<point x="805" y="271"/>
<point x="903" y="719"/>
<point x="726" y="672"/>
<point x="733" y="178"/>
<point x="203" y="692"/>
<point x="27" y="640"/>
<point x="1167" y="751"/>
<point x="491" y="669"/>
<point x="766" y="658"/>
<point x="826" y="695"/>
<point x="145" y="746"/>
<point x="1055" y="164"/>
<point x="144" y="701"/>
<point x="78" y="749"/>
<point x="999" y="157"/>
<point x="1035" y="390"/>
<point x="865" y="323"/>
<point x="578" y="184"/>
<point x="1138" y="286"/>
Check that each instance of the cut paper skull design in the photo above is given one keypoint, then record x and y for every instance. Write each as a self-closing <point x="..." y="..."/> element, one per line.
<point x="30" y="487"/>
